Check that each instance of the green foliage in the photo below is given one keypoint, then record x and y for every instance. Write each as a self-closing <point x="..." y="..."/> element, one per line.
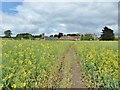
<point x="73" y="34"/>
<point x="37" y="36"/>
<point x="7" y="33"/>
<point x="87" y="37"/>
<point x="55" y="35"/>
<point x="107" y="34"/>
<point x="60" y="35"/>
<point x="24" y="36"/>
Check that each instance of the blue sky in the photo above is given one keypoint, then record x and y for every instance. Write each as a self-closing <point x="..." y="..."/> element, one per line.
<point x="9" y="7"/>
<point x="52" y="18"/>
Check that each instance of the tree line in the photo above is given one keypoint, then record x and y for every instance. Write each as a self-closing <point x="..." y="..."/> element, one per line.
<point x="107" y="34"/>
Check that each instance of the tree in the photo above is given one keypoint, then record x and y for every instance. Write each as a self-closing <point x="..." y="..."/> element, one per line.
<point x="73" y="34"/>
<point x="24" y="36"/>
<point x="43" y="35"/>
<point x="8" y="33"/>
<point x="38" y="36"/>
<point x="60" y="35"/>
<point x="51" y="35"/>
<point x="87" y="37"/>
<point x="82" y="37"/>
<point x="107" y="34"/>
<point x="55" y="35"/>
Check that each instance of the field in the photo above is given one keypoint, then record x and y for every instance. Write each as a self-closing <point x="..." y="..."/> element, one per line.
<point x="59" y="64"/>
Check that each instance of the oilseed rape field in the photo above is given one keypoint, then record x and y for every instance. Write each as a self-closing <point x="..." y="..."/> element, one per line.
<point x="49" y="64"/>
<point x="100" y="63"/>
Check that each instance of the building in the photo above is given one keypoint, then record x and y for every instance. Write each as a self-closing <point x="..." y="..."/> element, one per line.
<point x="76" y="38"/>
<point x="51" y="38"/>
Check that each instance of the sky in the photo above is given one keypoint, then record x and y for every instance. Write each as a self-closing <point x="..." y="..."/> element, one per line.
<point x="55" y="17"/>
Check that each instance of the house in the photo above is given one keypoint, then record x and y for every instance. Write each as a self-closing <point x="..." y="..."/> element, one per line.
<point x="66" y="38"/>
<point x="76" y="38"/>
<point x="94" y="36"/>
<point x="37" y="38"/>
<point x="51" y="38"/>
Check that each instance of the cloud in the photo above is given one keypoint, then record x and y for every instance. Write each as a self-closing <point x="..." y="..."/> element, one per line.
<point x="50" y="18"/>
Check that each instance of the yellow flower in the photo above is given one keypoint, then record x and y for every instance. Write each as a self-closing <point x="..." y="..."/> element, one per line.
<point x="29" y="62"/>
<point x="6" y="55"/>
<point x="10" y="76"/>
<point x="1" y="66"/>
<point x="2" y="85"/>
<point x="20" y="45"/>
<point x="24" y="84"/>
<point x="20" y="62"/>
<point x="21" y="54"/>
<point x="13" y="86"/>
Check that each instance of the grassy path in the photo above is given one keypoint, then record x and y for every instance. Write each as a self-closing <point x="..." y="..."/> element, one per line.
<point x="64" y="74"/>
<point x="76" y="71"/>
<point x="70" y="74"/>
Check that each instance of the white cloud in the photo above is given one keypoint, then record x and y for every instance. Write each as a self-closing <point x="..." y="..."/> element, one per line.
<point x="49" y="18"/>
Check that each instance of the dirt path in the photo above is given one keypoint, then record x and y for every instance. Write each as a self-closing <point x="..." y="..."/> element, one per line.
<point x="65" y="71"/>
<point x="70" y="74"/>
<point x="76" y="73"/>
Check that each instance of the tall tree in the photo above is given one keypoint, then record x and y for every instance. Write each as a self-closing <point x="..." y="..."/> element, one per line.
<point x="107" y="34"/>
<point x="7" y="33"/>
<point x="82" y="37"/>
<point x="60" y="35"/>
<point x="43" y="35"/>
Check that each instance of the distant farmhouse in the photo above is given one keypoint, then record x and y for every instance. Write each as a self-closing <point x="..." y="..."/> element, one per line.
<point x="76" y="38"/>
<point x="81" y="37"/>
<point x="89" y="37"/>
<point x="94" y="36"/>
<point x="51" y="38"/>
<point x="37" y="38"/>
